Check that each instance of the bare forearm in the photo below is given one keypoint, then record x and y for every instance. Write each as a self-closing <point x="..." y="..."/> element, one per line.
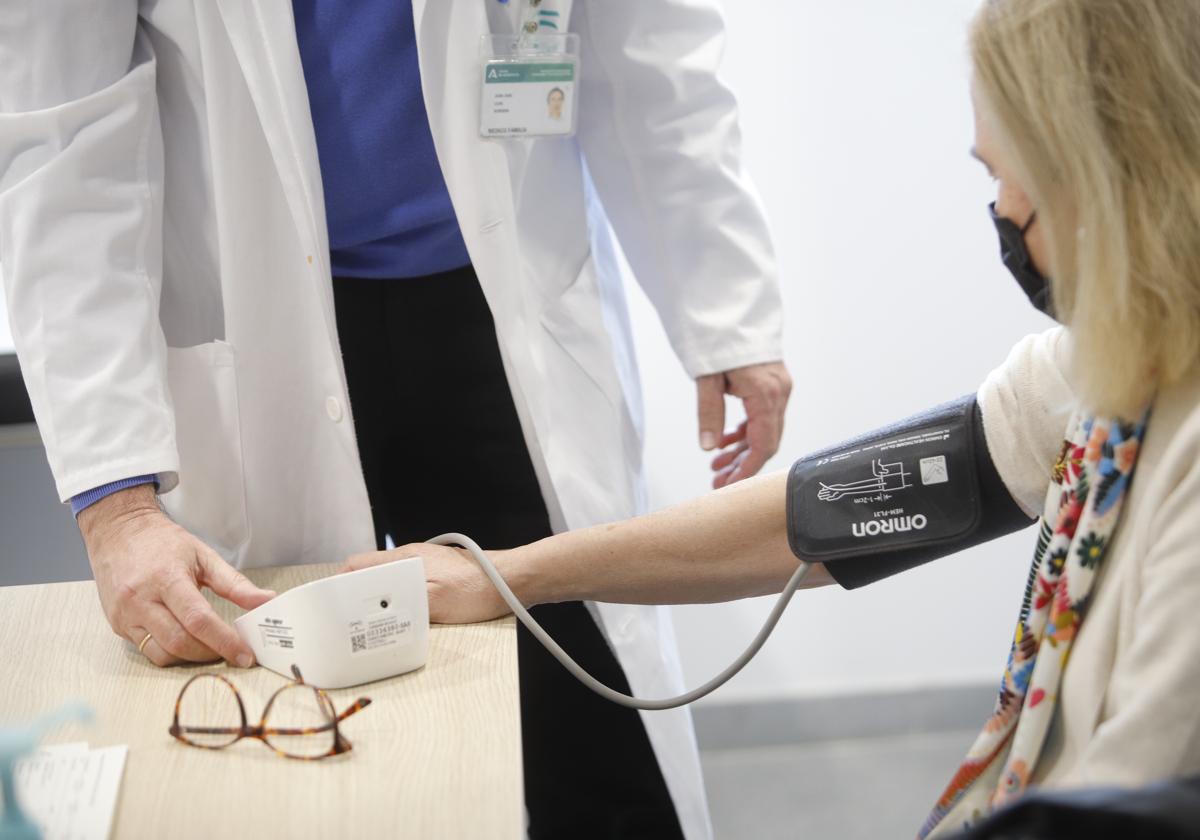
<point x="722" y="546"/>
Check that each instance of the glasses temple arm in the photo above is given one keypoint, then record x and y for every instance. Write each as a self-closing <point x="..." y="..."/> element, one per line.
<point x="358" y="705"/>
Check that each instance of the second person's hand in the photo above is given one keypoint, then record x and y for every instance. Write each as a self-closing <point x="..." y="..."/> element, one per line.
<point x="764" y="390"/>
<point x="459" y="591"/>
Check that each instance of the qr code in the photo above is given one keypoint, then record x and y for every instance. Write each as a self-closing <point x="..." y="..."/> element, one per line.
<point x="358" y="642"/>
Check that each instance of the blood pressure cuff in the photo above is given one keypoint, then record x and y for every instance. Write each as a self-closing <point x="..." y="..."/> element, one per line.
<point x="899" y="497"/>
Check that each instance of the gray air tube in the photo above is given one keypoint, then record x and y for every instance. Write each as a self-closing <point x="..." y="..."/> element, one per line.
<point x="591" y="682"/>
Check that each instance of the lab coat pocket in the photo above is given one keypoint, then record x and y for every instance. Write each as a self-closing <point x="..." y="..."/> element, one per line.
<point x="576" y="323"/>
<point x="210" y="500"/>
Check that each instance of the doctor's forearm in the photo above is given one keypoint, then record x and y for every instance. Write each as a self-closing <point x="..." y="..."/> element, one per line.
<point x="720" y="547"/>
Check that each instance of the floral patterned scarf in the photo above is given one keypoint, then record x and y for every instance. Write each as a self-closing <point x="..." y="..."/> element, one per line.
<point x="1083" y="504"/>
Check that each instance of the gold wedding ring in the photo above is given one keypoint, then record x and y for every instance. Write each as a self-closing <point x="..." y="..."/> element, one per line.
<point x="142" y="646"/>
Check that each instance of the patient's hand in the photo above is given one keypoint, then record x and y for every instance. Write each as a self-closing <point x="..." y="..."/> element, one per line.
<point x="459" y="591"/>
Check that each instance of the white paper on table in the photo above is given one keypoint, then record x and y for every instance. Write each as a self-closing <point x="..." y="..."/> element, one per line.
<point x="70" y="792"/>
<point x="51" y="750"/>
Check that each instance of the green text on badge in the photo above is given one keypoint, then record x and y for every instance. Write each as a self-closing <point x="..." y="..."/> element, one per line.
<point x="508" y="73"/>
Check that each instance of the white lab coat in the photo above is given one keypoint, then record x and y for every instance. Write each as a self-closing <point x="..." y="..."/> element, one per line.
<point x="166" y="264"/>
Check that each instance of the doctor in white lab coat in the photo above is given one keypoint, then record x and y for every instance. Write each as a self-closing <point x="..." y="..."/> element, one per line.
<point x="167" y="271"/>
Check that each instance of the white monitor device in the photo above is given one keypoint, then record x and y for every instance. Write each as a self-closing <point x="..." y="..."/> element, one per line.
<point x="346" y="629"/>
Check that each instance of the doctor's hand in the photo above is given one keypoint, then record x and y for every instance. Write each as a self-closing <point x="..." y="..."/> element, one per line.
<point x="459" y="591"/>
<point x="149" y="572"/>
<point x="764" y="390"/>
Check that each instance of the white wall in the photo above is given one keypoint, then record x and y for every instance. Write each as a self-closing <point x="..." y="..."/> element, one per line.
<point x="857" y="127"/>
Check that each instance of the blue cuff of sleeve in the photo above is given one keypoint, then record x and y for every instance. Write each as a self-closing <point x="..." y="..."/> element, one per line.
<point x="94" y="495"/>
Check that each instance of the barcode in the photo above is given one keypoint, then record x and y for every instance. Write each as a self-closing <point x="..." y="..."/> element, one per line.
<point x="358" y="642"/>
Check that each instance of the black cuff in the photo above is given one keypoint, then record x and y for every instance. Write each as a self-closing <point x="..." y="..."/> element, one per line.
<point x="975" y="508"/>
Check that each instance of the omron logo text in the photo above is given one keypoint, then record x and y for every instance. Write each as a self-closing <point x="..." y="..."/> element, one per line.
<point x="895" y="525"/>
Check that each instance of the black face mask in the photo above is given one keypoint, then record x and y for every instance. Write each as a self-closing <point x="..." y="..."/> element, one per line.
<point x="1016" y="257"/>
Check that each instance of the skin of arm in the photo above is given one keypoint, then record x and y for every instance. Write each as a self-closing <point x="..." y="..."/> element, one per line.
<point x="723" y="546"/>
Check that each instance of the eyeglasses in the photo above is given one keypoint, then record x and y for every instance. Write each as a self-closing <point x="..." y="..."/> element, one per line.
<point x="298" y="722"/>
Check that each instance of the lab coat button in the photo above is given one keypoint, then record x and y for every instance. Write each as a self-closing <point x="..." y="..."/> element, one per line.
<point x="333" y="408"/>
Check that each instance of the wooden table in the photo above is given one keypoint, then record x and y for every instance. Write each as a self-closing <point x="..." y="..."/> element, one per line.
<point x="436" y="755"/>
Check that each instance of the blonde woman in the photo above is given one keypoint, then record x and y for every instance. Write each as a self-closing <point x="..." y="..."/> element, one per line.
<point x="1088" y="117"/>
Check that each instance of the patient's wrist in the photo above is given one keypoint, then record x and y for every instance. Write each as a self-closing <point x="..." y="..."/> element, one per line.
<point x="533" y="576"/>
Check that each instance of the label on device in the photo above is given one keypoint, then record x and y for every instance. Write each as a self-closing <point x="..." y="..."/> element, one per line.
<point x="379" y="631"/>
<point x="277" y="634"/>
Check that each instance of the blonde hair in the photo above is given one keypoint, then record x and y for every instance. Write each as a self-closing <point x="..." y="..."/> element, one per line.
<point x="1098" y="104"/>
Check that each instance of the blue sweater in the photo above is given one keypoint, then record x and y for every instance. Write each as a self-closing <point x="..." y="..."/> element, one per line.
<point x="386" y="203"/>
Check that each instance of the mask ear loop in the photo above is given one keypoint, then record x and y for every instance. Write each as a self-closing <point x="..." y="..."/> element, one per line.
<point x="998" y="218"/>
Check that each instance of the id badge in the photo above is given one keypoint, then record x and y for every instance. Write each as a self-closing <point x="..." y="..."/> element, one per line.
<point x="528" y="85"/>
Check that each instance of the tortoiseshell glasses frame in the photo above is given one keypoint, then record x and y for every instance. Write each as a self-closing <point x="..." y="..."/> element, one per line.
<point x="262" y="732"/>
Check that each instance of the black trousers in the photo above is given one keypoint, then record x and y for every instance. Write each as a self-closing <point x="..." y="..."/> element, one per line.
<point x="442" y="450"/>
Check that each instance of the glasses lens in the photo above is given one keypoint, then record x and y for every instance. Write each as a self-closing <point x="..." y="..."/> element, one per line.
<point x="300" y="723"/>
<point x="209" y="715"/>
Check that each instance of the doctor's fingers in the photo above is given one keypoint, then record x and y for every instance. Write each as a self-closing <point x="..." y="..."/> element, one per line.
<point x="730" y="473"/>
<point x="764" y="390"/>
<point x="736" y="436"/>
<point x="763" y="434"/>
<point x="763" y="431"/>
<point x="728" y="455"/>
<point x="151" y="649"/>
<point x="710" y="408"/>
<point x="169" y="643"/>
<point x="201" y="622"/>
<point x="227" y="581"/>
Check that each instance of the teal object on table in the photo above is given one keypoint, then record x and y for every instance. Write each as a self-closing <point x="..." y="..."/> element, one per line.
<point x="16" y="742"/>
